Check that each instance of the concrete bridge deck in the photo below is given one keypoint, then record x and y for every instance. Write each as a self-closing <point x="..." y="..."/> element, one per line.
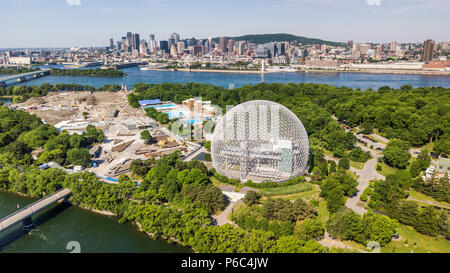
<point x="33" y="208"/>
<point x="44" y="71"/>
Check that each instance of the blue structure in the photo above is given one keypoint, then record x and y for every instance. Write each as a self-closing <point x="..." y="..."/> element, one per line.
<point x="143" y="103"/>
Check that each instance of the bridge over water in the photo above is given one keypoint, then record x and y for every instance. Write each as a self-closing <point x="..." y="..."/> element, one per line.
<point x="25" y="214"/>
<point x="23" y="77"/>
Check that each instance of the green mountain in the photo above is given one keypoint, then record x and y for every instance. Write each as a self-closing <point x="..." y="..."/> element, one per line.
<point x="279" y="37"/>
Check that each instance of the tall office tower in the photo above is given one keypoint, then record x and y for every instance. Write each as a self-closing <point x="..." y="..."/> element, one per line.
<point x="143" y="49"/>
<point x="152" y="46"/>
<point x="181" y="46"/>
<point x="223" y="43"/>
<point x="428" y="47"/>
<point x="171" y="42"/>
<point x="151" y="37"/>
<point x="240" y="49"/>
<point x="164" y="46"/>
<point x="135" y="41"/>
<point x="119" y="45"/>
<point x="197" y="50"/>
<point x="281" y="48"/>
<point x="230" y="45"/>
<point x="124" y="42"/>
<point x="111" y="43"/>
<point x="272" y="47"/>
<point x="129" y="38"/>
<point x="176" y="37"/>
<point x="173" y="51"/>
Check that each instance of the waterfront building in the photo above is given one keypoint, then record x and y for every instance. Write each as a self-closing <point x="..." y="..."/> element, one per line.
<point x="428" y="48"/>
<point x="262" y="52"/>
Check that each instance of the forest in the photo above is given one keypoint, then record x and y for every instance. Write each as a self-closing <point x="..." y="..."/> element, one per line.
<point x="175" y="199"/>
<point x="19" y="70"/>
<point x="416" y="116"/>
<point x="97" y="72"/>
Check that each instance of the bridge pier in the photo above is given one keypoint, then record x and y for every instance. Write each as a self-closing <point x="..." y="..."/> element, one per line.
<point x="27" y="222"/>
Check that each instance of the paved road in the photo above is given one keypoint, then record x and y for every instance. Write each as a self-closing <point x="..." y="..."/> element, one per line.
<point x="327" y="241"/>
<point x="233" y="198"/>
<point x="367" y="174"/>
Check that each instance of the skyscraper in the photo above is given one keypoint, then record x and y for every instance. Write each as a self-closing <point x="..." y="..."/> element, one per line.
<point x="176" y="37"/>
<point x="230" y="45"/>
<point x="181" y="47"/>
<point x="111" y="43"/>
<point x="129" y="38"/>
<point x="135" y="41"/>
<point x="173" y="50"/>
<point x="428" y="47"/>
<point x="223" y="41"/>
<point x="151" y="43"/>
<point x="164" y="45"/>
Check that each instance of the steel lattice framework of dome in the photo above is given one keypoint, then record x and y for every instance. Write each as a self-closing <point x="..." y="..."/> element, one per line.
<point x="260" y="140"/>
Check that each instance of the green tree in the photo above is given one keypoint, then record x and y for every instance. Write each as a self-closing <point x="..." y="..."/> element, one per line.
<point x="344" y="163"/>
<point x="397" y="154"/>
<point x="79" y="156"/>
<point x="251" y="198"/>
<point x="146" y="136"/>
<point x="380" y="228"/>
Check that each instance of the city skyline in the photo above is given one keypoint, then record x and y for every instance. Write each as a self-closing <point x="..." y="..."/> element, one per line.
<point x="91" y="23"/>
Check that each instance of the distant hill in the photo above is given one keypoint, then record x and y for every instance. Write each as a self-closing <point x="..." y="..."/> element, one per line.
<point x="279" y="37"/>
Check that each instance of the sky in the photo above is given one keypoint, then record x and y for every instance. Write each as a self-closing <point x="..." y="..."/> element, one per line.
<point x="67" y="23"/>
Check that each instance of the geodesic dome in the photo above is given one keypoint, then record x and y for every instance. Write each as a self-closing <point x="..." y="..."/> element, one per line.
<point x="260" y="140"/>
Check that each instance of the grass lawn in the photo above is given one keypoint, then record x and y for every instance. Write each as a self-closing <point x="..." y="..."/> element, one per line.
<point x="298" y="188"/>
<point x="324" y="215"/>
<point x="325" y="151"/>
<point x="217" y="183"/>
<point x="422" y="197"/>
<point x="424" y="244"/>
<point x="357" y="165"/>
<point x="385" y="169"/>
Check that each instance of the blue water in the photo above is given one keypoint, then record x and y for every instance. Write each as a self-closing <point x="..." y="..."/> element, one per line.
<point x="353" y="80"/>
<point x="192" y="121"/>
<point x="160" y="106"/>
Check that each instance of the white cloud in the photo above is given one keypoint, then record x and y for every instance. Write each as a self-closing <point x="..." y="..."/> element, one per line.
<point x="373" y="2"/>
<point x="73" y="2"/>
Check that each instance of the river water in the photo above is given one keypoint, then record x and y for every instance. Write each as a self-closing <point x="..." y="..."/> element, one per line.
<point x="352" y="80"/>
<point x="60" y="224"/>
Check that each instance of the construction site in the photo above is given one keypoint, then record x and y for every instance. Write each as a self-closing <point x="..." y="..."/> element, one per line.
<point x="121" y="124"/>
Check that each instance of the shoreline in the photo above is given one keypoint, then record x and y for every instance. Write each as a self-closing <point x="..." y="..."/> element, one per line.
<point x="360" y="71"/>
<point x="169" y="240"/>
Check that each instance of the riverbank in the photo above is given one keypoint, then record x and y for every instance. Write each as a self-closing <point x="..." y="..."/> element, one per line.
<point x="360" y="71"/>
<point x="168" y="240"/>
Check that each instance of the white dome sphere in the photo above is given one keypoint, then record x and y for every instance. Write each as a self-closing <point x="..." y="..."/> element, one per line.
<point x="260" y="140"/>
